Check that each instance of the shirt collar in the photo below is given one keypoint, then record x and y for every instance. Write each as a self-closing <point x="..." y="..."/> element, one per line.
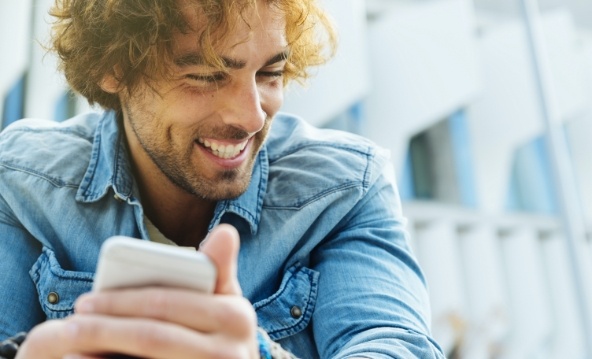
<point x="109" y="167"/>
<point x="248" y="205"/>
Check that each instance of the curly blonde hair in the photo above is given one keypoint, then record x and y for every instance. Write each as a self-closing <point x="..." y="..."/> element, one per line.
<point x="94" y="37"/>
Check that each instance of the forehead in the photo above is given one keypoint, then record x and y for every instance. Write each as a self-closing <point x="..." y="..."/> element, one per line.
<point x="256" y="23"/>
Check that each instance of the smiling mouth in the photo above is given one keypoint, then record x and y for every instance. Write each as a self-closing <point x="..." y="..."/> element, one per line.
<point x="223" y="150"/>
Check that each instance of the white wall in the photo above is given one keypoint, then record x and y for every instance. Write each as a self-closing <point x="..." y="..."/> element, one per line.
<point x="423" y="68"/>
<point x="581" y="9"/>
<point x="507" y="113"/>
<point x="578" y="132"/>
<point x="45" y="86"/>
<point x="14" y="43"/>
<point x="343" y="81"/>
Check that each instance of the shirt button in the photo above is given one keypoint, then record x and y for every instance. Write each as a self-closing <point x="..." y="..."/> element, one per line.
<point x="53" y="298"/>
<point x="119" y="198"/>
<point x="296" y="312"/>
<point x="8" y="349"/>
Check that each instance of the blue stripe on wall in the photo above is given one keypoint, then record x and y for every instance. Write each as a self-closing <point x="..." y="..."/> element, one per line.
<point x="462" y="150"/>
<point x="548" y="201"/>
<point x="14" y="102"/>
<point x="406" y="185"/>
<point x="62" y="108"/>
<point x="356" y="118"/>
<point x="531" y="185"/>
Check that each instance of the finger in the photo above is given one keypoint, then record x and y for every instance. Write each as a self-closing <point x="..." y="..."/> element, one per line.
<point x="222" y="246"/>
<point x="95" y="335"/>
<point x="233" y="315"/>
<point x="48" y="340"/>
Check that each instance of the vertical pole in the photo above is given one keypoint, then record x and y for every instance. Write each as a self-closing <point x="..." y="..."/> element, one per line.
<point x="564" y="181"/>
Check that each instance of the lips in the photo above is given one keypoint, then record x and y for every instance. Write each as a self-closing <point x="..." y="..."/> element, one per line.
<point x="223" y="150"/>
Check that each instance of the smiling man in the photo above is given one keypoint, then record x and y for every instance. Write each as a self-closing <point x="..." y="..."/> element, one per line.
<point x="190" y="146"/>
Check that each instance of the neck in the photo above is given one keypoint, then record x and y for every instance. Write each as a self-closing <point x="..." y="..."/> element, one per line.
<point x="179" y="216"/>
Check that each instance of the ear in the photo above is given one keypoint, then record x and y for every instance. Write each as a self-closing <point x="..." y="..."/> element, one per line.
<point x="110" y="84"/>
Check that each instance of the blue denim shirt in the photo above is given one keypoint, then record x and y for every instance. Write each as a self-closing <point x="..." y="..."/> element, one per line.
<point x="320" y="224"/>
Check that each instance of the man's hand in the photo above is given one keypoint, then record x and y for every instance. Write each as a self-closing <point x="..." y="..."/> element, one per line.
<point x="158" y="323"/>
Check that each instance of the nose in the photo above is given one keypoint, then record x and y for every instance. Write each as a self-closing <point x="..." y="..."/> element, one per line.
<point x="244" y="107"/>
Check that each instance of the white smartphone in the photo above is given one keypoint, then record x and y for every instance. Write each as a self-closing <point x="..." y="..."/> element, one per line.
<point x="127" y="262"/>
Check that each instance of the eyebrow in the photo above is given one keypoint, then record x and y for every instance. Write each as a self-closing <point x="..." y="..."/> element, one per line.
<point x="196" y="59"/>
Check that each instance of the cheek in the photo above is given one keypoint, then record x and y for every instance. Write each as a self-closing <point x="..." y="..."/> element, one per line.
<point x="187" y="109"/>
<point x="272" y="98"/>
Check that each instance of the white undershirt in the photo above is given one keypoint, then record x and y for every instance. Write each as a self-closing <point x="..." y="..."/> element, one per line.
<point x="156" y="235"/>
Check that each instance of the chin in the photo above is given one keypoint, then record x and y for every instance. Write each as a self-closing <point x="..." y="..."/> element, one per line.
<point x="221" y="195"/>
<point x="224" y="189"/>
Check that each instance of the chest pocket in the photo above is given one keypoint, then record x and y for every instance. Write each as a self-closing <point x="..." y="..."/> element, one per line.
<point x="58" y="288"/>
<point x="289" y="310"/>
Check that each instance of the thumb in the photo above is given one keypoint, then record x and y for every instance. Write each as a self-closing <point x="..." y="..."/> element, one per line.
<point x="221" y="246"/>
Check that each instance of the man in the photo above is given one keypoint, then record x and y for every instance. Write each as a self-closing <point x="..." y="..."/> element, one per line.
<point x="191" y="145"/>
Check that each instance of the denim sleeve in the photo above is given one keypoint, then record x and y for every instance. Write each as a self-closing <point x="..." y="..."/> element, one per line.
<point x="372" y="299"/>
<point x="19" y="306"/>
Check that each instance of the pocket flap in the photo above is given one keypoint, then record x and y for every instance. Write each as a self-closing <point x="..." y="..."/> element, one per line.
<point x="58" y="288"/>
<point x="289" y="310"/>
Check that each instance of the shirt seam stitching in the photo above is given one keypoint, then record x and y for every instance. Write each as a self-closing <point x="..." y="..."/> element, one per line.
<point x="54" y="181"/>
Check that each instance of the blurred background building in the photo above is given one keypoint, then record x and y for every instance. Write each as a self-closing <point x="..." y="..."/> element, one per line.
<point x="488" y="117"/>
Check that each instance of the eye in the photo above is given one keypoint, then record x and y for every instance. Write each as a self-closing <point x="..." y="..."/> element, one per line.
<point x="208" y="78"/>
<point x="271" y="74"/>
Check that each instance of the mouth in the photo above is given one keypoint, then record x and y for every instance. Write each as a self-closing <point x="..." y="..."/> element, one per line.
<point x="223" y="150"/>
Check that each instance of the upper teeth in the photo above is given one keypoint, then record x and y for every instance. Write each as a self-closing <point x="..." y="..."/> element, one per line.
<point x="222" y="150"/>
